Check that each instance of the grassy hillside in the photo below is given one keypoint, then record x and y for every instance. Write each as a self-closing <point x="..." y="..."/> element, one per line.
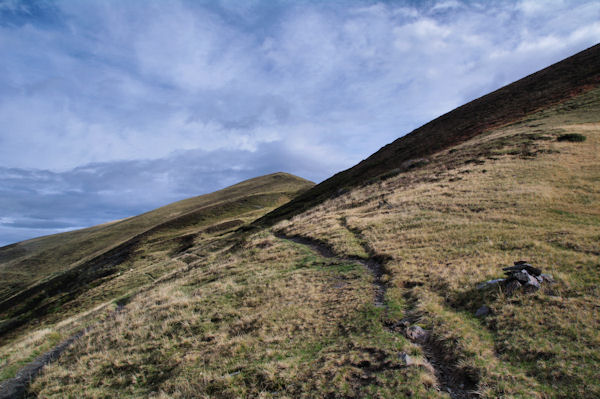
<point x="322" y="305"/>
<point x="28" y="262"/>
<point x="511" y="103"/>
<point x="260" y="316"/>
<point x="517" y="192"/>
<point x="51" y="277"/>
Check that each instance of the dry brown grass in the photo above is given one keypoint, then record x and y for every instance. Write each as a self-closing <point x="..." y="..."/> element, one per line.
<point x="158" y="254"/>
<point x="513" y="193"/>
<point x="271" y="319"/>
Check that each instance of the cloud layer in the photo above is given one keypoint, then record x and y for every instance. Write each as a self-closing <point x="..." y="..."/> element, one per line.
<point x="108" y="109"/>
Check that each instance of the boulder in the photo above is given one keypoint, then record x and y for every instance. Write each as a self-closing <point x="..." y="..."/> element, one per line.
<point x="417" y="334"/>
<point x="482" y="311"/>
<point x="532" y="285"/>
<point x="522" y="276"/>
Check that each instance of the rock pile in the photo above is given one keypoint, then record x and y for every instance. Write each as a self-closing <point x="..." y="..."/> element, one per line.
<point x="519" y="277"/>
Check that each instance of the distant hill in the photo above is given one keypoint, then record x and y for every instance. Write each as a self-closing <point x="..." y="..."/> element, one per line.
<point x="552" y="85"/>
<point x="33" y="272"/>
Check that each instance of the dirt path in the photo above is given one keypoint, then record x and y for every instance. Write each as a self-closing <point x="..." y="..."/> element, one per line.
<point x="16" y="388"/>
<point x="374" y="267"/>
<point x="451" y="382"/>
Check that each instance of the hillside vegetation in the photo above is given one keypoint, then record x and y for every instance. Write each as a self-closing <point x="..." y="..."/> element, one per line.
<point x="113" y="260"/>
<point x="320" y="304"/>
<point x="26" y="263"/>
<point x="512" y="193"/>
<point x="261" y="316"/>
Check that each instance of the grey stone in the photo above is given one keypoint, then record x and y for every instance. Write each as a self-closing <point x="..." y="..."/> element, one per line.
<point x="532" y="284"/>
<point x="520" y="262"/>
<point x="406" y="359"/>
<point x="522" y="276"/>
<point x="482" y="311"/>
<point x="489" y="283"/>
<point x="534" y="271"/>
<point x="416" y="333"/>
<point x="511" y="287"/>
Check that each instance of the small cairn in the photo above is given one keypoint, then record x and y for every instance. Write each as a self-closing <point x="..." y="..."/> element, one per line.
<point x="519" y="277"/>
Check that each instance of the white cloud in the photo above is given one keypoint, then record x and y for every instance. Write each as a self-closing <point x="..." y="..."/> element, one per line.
<point x="446" y="5"/>
<point x="109" y="81"/>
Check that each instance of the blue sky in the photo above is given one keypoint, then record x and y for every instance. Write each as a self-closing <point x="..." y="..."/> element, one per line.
<point x="112" y="108"/>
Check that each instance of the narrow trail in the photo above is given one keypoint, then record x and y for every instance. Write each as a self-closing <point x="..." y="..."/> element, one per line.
<point x="374" y="267"/>
<point x="16" y="387"/>
<point x="451" y="382"/>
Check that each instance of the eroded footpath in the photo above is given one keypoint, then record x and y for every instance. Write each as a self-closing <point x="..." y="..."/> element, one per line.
<point x="449" y="380"/>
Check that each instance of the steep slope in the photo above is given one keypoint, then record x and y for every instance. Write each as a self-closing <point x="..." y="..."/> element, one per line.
<point x="45" y="277"/>
<point x="327" y="303"/>
<point x="511" y="103"/>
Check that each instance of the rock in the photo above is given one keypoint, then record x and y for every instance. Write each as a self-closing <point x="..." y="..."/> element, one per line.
<point x="532" y="285"/>
<point x="489" y="283"/>
<point x="511" y="287"/>
<point x="520" y="262"/>
<point x="522" y="276"/>
<point x="534" y="271"/>
<point x="416" y="333"/>
<point x="482" y="311"/>
<point x="406" y="359"/>
<point x="510" y="270"/>
<point x="547" y="277"/>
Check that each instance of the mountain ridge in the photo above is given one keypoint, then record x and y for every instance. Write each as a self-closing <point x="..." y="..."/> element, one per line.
<point x="551" y="85"/>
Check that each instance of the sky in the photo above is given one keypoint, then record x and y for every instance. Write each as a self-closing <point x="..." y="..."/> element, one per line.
<point x="112" y="108"/>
